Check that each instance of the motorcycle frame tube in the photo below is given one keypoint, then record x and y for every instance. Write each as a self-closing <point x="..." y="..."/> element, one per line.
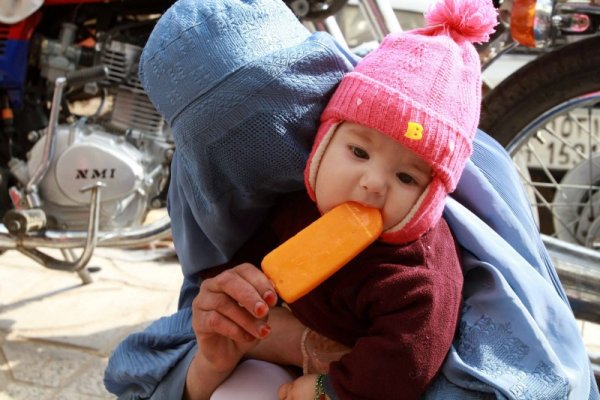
<point x="90" y="242"/>
<point x="329" y="25"/>
<point x="66" y="2"/>
<point x="575" y="255"/>
<point x="582" y="8"/>
<point x="381" y="17"/>
<point x="579" y="271"/>
<point x="31" y="188"/>
<point x="76" y="239"/>
<point x="565" y="11"/>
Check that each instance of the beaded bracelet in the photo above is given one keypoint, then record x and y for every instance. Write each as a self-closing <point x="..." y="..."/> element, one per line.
<point x="320" y="388"/>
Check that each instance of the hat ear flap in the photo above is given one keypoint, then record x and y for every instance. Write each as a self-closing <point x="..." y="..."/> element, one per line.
<point x="424" y="214"/>
<point x="324" y="135"/>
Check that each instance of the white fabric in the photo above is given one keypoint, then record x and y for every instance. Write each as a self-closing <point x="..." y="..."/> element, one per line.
<point x="253" y="380"/>
<point x="13" y="11"/>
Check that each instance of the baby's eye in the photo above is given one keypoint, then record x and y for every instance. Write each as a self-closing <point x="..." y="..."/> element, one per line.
<point x="406" y="178"/>
<point x="360" y="153"/>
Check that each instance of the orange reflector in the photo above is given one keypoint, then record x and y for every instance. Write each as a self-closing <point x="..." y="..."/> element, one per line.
<point x="522" y="18"/>
<point x="7" y="113"/>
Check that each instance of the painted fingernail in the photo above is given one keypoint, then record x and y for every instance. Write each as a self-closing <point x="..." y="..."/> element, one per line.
<point x="270" y="297"/>
<point x="264" y="331"/>
<point x="261" y="309"/>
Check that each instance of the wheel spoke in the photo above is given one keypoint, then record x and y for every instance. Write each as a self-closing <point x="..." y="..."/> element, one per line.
<point x="545" y="203"/>
<point x="543" y="165"/>
<point x="568" y="144"/>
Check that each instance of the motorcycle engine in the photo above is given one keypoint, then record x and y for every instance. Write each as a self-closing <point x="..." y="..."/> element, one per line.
<point x="126" y="146"/>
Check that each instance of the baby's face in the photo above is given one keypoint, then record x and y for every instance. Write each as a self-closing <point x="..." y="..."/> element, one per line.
<point x="363" y="165"/>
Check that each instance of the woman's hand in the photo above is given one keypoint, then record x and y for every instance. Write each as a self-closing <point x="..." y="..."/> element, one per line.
<point x="302" y="388"/>
<point x="229" y="316"/>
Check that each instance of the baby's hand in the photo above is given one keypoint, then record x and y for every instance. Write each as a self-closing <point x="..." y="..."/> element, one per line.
<point x="302" y="388"/>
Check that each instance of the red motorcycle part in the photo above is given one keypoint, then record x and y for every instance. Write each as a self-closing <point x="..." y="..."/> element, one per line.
<point x="21" y="30"/>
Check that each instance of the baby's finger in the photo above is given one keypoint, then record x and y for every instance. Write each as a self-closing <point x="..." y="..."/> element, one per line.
<point x="282" y="393"/>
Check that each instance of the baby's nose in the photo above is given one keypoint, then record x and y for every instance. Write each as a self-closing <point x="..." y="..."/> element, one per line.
<point x="374" y="183"/>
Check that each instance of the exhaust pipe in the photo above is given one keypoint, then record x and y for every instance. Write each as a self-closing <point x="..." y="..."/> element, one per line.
<point x="52" y="239"/>
<point x="29" y="244"/>
<point x="578" y="268"/>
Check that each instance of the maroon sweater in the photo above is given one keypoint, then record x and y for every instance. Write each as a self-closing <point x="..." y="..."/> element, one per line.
<point x="396" y="306"/>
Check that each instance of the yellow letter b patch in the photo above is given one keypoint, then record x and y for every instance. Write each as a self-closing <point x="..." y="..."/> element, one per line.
<point x="414" y="131"/>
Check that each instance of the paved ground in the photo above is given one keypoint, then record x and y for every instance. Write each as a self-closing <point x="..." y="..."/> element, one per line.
<point x="56" y="334"/>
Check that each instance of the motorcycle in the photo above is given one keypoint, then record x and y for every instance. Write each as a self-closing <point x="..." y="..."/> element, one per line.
<point x="84" y="156"/>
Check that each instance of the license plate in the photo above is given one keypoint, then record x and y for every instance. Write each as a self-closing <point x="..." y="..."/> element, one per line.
<point x="565" y="141"/>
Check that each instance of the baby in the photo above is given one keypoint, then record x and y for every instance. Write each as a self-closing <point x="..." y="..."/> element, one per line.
<point x="395" y="136"/>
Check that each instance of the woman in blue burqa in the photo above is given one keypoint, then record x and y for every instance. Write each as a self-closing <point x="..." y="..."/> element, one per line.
<point x="235" y="77"/>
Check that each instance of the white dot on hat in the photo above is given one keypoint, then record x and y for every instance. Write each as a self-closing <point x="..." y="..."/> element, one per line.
<point x="358" y="101"/>
<point x="451" y="146"/>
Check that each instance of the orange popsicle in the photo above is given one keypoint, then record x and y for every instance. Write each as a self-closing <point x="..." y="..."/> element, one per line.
<point x="315" y="253"/>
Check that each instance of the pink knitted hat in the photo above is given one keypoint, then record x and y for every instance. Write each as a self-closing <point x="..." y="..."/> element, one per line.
<point x="423" y="89"/>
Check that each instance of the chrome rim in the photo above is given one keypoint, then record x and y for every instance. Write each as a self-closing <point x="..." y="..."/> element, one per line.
<point x="558" y="158"/>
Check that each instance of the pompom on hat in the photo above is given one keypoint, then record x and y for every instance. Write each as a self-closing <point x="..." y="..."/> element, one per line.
<point x="423" y="89"/>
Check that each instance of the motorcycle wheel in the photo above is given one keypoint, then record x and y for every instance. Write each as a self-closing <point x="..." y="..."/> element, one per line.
<point x="547" y="116"/>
